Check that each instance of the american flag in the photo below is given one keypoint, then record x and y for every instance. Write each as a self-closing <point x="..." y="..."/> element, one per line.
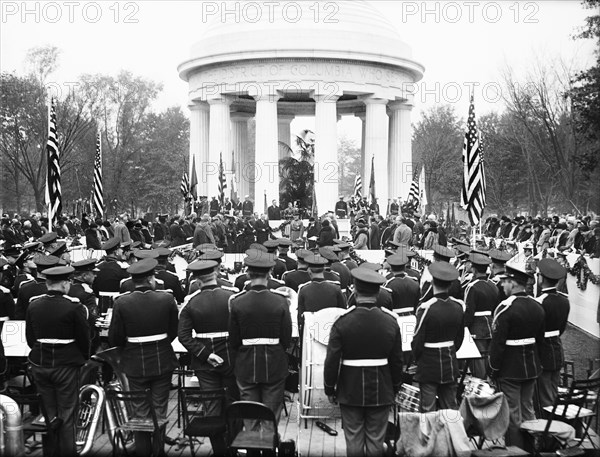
<point x="53" y="188"/>
<point x="372" y="181"/>
<point x="194" y="183"/>
<point x="414" y="194"/>
<point x="234" y="195"/>
<point x="222" y="180"/>
<point x="358" y="186"/>
<point x="185" y="187"/>
<point x="473" y="189"/>
<point x="98" y="194"/>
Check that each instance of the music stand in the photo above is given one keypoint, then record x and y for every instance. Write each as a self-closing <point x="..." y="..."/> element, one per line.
<point x="13" y="339"/>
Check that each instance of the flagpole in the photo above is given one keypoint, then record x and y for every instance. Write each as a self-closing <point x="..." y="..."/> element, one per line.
<point x="47" y="194"/>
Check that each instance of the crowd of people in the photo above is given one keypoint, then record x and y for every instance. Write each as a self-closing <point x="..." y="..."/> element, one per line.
<point x="239" y="332"/>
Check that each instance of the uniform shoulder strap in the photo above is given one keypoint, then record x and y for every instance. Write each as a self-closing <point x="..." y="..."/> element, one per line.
<point x="37" y="296"/>
<point x="230" y="289"/>
<point x="72" y="299"/>
<point x="541" y="298"/>
<point x="4" y="289"/>
<point x="503" y="307"/>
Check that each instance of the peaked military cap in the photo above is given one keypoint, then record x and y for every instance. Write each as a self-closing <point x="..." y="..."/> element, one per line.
<point x="163" y="252"/>
<point x="202" y="266"/>
<point x="328" y="253"/>
<point x="144" y="267"/>
<point x="551" y="269"/>
<point x="145" y="254"/>
<point x="284" y="242"/>
<point x="370" y="266"/>
<point x="111" y="244"/>
<point x="443" y="271"/>
<point x="367" y="276"/>
<point x="258" y="260"/>
<point x="258" y="247"/>
<point x="202" y="248"/>
<point x="84" y="265"/>
<point x="59" y="273"/>
<point x="45" y="261"/>
<point x="397" y="260"/>
<point x="499" y="256"/>
<point x="49" y="237"/>
<point x="271" y="245"/>
<point x="302" y="253"/>
<point x="212" y="255"/>
<point x="443" y="252"/>
<point x="316" y="260"/>
<point x="516" y="271"/>
<point x="462" y="249"/>
<point x="58" y="248"/>
<point x="479" y="259"/>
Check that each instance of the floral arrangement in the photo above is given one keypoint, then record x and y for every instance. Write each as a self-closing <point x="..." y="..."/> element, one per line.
<point x="583" y="273"/>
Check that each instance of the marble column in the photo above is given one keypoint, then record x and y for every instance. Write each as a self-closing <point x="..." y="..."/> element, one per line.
<point x="284" y="134"/>
<point x="376" y="145"/>
<point x="363" y="161"/>
<point x="400" y="169"/>
<point x="241" y="158"/>
<point x="266" y="166"/>
<point x="199" y="130"/>
<point x="220" y="131"/>
<point x="326" y="161"/>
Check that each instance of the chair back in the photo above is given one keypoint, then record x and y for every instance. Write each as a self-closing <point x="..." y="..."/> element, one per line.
<point x="249" y="411"/>
<point x="196" y="404"/>
<point x="131" y="399"/>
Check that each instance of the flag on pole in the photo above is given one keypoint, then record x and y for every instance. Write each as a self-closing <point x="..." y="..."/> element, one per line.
<point x="372" y="181"/>
<point x="422" y="194"/>
<point x="194" y="182"/>
<point x="185" y="187"/>
<point x="222" y="181"/>
<point x="53" y="188"/>
<point x="234" y="194"/>
<point x="314" y="210"/>
<point x="358" y="186"/>
<point x="98" y="194"/>
<point x="414" y="194"/>
<point x="473" y="188"/>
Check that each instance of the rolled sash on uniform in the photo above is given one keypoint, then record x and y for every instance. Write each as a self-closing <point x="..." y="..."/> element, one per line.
<point x="259" y="341"/>
<point x="55" y="341"/>
<point x="442" y="344"/>
<point x="147" y="339"/>
<point x="365" y="362"/>
<point x="523" y="342"/>
<point x="212" y="335"/>
<point x="403" y="310"/>
<point x="482" y="313"/>
<point x="551" y="333"/>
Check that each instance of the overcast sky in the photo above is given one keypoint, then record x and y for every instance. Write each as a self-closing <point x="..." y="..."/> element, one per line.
<point x="457" y="42"/>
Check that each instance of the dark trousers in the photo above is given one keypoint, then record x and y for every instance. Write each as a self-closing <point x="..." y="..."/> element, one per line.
<point x="159" y="387"/>
<point x="479" y="369"/>
<point x="446" y="394"/>
<point x="270" y="394"/>
<point x="519" y="395"/>
<point x="364" y="429"/>
<point x="209" y="380"/>
<point x="59" y="390"/>
<point x="547" y="384"/>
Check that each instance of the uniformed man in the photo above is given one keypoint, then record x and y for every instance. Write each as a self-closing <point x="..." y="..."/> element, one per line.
<point x="439" y="334"/>
<point x="36" y="286"/>
<point x="7" y="303"/>
<point x="280" y="265"/>
<point x="48" y="240"/>
<point x="242" y="282"/>
<point x="530" y="266"/>
<point x="363" y="378"/>
<point x="405" y="289"/>
<point x="81" y="283"/>
<point x="169" y="278"/>
<point x="295" y="278"/>
<point x="556" y="306"/>
<point x="499" y="259"/>
<point x="319" y="293"/>
<point x="344" y="256"/>
<point x="206" y="312"/>
<point x="110" y="269"/>
<point x="384" y="294"/>
<point x="163" y="259"/>
<point x="481" y="299"/>
<point x="247" y="207"/>
<point x="144" y="323"/>
<point x="517" y="336"/>
<point x="329" y="253"/>
<point x="341" y="208"/>
<point x="127" y="284"/>
<point x="260" y="329"/>
<point x="341" y="268"/>
<point x="57" y="332"/>
<point x="284" y="247"/>
<point x="440" y="254"/>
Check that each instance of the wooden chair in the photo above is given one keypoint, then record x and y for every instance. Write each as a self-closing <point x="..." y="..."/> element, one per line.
<point x="197" y="407"/>
<point x="131" y="423"/>
<point x="251" y="426"/>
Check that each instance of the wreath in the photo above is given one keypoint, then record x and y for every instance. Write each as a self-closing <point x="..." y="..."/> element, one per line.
<point x="583" y="273"/>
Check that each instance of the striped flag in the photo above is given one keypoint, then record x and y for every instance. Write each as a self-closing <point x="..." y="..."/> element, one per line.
<point x="53" y="188"/>
<point x="98" y="194"/>
<point x="358" y="186"/>
<point x="194" y="183"/>
<point x="185" y="187"/>
<point x="414" y="194"/>
<point x="473" y="190"/>
<point x="222" y="180"/>
<point x="372" y="181"/>
<point x="234" y="194"/>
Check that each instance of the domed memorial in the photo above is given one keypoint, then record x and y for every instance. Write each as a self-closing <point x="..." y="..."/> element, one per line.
<point x="272" y="61"/>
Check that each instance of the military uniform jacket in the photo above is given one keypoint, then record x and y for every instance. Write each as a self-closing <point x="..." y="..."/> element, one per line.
<point x="257" y="314"/>
<point x="295" y="278"/>
<point x="519" y="317"/>
<point x="319" y="294"/>
<point x="351" y="264"/>
<point x="144" y="312"/>
<point x="384" y="299"/>
<point x="280" y="268"/>
<point x="28" y="290"/>
<point x="344" y="272"/>
<point x="439" y="320"/>
<point x="171" y="282"/>
<point x="498" y="283"/>
<point x="290" y="264"/>
<point x="556" y="306"/>
<point x="365" y="335"/>
<point x="481" y="299"/>
<point x="54" y="316"/>
<point x="206" y="312"/>
<point x="7" y="305"/>
<point x="405" y="292"/>
<point x="108" y="279"/>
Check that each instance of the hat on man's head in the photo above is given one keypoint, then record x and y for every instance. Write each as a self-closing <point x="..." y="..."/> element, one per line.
<point x="145" y="254"/>
<point x="212" y="255"/>
<point x="126" y="245"/>
<point x="258" y="247"/>
<point x="43" y="262"/>
<point x="397" y="260"/>
<point x="443" y="271"/>
<point x="284" y="242"/>
<point x="461" y="249"/>
<point x="259" y="261"/>
<point x="84" y="265"/>
<point x="328" y="253"/>
<point x="477" y="258"/>
<point x="202" y="267"/>
<point x="142" y="268"/>
<point x="370" y="266"/>
<point x="59" y="273"/>
<point x="271" y="245"/>
<point x="315" y="260"/>
<point x="302" y="253"/>
<point x="516" y="271"/>
<point x="205" y="247"/>
<point x="343" y="246"/>
<point x="498" y="256"/>
<point x="58" y="249"/>
<point x="443" y="253"/>
<point x="367" y="281"/>
<point x="49" y="237"/>
<point x="551" y="269"/>
<point x="111" y="244"/>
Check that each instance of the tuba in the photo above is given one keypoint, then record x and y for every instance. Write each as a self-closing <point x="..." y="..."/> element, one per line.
<point x="92" y="400"/>
<point x="12" y="443"/>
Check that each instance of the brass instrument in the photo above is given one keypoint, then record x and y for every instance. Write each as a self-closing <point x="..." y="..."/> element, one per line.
<point x="12" y="443"/>
<point x="92" y="400"/>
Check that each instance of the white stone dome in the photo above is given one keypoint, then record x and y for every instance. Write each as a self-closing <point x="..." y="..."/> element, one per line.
<point x="353" y="30"/>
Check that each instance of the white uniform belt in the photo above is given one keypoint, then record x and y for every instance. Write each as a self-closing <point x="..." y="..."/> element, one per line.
<point x="147" y="339"/>
<point x="403" y="310"/>
<point x="441" y="344"/>
<point x="523" y="342"/>
<point x="4" y="318"/>
<point x="259" y="341"/>
<point x="212" y="335"/>
<point x="55" y="341"/>
<point x="482" y="313"/>
<point x="551" y="333"/>
<point x="365" y="362"/>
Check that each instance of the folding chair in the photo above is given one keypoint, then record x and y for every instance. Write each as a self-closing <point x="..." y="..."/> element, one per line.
<point x="203" y="414"/>
<point x="556" y="430"/>
<point x="131" y="423"/>
<point x="35" y="420"/>
<point x="251" y="426"/>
